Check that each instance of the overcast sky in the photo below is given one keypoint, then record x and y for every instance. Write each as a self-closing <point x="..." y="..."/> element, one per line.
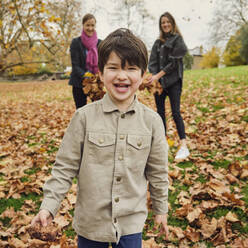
<point x="192" y="17"/>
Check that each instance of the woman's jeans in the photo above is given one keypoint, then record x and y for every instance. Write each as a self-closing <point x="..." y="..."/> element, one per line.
<point x="127" y="241"/>
<point x="174" y="94"/>
<point x="80" y="98"/>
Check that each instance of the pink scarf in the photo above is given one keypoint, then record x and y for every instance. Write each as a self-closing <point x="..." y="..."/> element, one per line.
<point x="92" y="56"/>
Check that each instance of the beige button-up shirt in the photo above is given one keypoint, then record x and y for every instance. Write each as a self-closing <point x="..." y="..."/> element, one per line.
<point x="113" y="155"/>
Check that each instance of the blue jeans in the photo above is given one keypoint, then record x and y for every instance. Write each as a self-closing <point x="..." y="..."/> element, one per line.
<point x="127" y="241"/>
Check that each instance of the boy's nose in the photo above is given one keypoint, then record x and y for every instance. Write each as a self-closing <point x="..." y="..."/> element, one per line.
<point x="122" y="75"/>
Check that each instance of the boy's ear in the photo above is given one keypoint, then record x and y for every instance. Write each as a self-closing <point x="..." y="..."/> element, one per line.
<point x="100" y="76"/>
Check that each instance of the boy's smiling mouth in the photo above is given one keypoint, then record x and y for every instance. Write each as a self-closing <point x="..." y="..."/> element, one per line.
<point x="121" y="87"/>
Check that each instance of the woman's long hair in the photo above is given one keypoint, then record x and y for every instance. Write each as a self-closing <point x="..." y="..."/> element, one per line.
<point x="175" y="29"/>
<point x="88" y="17"/>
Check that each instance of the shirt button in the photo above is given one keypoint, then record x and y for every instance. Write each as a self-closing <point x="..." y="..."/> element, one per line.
<point x="120" y="157"/>
<point x="122" y="116"/>
<point x="101" y="141"/>
<point x="118" y="179"/>
<point x="117" y="199"/>
<point x="122" y="137"/>
<point x="139" y="143"/>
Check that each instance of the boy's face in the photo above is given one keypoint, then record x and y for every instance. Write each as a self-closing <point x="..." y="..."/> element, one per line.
<point x="121" y="83"/>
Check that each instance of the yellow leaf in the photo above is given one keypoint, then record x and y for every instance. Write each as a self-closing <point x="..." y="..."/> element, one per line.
<point x="170" y="142"/>
<point x="51" y="19"/>
<point x="88" y="74"/>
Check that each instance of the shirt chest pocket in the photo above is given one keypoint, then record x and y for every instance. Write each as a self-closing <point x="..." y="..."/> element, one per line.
<point x="101" y="147"/>
<point x="138" y="149"/>
<point x="139" y="142"/>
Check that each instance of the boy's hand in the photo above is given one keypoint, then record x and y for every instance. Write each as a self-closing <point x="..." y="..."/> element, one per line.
<point x="162" y="219"/>
<point x="44" y="217"/>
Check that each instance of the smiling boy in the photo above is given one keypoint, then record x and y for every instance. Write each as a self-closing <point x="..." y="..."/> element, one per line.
<point x="114" y="147"/>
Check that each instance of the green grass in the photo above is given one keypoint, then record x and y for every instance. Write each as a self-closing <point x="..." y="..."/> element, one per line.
<point x="18" y="203"/>
<point x="187" y="164"/>
<point x="245" y="193"/>
<point x="221" y="164"/>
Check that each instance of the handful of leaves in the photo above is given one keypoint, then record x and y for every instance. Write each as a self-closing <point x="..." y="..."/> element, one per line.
<point x="48" y="233"/>
<point x="93" y="86"/>
<point x="154" y="87"/>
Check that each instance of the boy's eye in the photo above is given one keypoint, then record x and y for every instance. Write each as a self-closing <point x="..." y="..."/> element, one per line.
<point x="132" y="68"/>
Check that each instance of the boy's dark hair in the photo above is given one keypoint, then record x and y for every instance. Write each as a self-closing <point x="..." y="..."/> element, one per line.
<point x="127" y="47"/>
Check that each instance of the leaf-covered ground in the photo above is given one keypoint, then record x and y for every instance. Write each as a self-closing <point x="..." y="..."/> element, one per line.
<point x="208" y="198"/>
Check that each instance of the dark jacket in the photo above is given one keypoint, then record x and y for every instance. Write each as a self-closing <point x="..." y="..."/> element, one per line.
<point x="78" y="61"/>
<point x="168" y="56"/>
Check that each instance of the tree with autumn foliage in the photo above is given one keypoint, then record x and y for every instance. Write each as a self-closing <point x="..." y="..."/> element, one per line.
<point x="229" y="16"/>
<point x="45" y="27"/>
<point x="211" y="59"/>
<point x="231" y="55"/>
<point x="244" y="42"/>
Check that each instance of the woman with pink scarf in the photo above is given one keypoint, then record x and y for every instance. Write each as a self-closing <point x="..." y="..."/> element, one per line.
<point x="84" y="58"/>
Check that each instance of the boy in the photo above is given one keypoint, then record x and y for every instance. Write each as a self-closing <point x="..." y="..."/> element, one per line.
<point x="113" y="147"/>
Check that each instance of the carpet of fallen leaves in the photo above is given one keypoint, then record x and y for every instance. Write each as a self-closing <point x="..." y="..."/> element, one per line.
<point x="208" y="198"/>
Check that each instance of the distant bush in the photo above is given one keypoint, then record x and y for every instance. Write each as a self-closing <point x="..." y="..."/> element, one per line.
<point x="187" y="61"/>
<point x="211" y="59"/>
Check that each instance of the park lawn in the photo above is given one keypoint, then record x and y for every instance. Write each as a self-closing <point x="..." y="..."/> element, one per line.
<point x="208" y="193"/>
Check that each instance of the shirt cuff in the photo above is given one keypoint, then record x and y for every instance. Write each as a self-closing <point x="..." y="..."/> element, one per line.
<point x="50" y="205"/>
<point x="160" y="208"/>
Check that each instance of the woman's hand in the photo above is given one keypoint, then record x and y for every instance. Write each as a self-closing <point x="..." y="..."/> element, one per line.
<point x="155" y="77"/>
<point x="150" y="79"/>
<point x="44" y="217"/>
<point x="161" y="220"/>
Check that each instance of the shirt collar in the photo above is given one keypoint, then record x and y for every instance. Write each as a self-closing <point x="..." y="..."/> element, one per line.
<point x="109" y="106"/>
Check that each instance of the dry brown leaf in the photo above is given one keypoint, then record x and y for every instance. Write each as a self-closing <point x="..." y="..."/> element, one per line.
<point x="16" y="243"/>
<point x="177" y="231"/>
<point x="150" y="243"/>
<point x="192" y="234"/>
<point x="232" y="198"/>
<point x="61" y="221"/>
<point x="218" y="186"/>
<point x="208" y="228"/>
<point x="194" y="214"/>
<point x="232" y="179"/>
<point x="184" y="198"/>
<point x="232" y="217"/>
<point x="184" y="210"/>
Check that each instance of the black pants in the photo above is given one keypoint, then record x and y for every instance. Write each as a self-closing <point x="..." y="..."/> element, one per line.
<point x="174" y="94"/>
<point x="79" y="97"/>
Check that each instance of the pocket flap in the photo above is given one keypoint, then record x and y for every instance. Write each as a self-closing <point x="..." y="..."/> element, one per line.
<point x="102" y="139"/>
<point x="139" y="142"/>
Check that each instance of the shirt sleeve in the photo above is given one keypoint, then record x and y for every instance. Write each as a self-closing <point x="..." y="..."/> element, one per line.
<point x="178" y="52"/>
<point x="66" y="166"/>
<point x="157" y="169"/>
<point x="75" y="58"/>
<point x="153" y="60"/>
